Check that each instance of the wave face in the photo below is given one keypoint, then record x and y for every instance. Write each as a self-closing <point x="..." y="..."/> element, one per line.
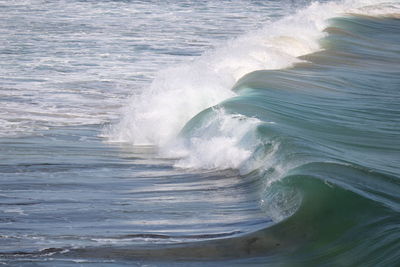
<point x="314" y="111"/>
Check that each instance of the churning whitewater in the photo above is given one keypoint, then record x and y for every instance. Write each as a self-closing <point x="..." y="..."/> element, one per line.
<point x="177" y="94"/>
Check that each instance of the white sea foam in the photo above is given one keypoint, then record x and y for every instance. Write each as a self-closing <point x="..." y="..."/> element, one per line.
<point x="373" y="7"/>
<point x="177" y="94"/>
<point x="223" y="141"/>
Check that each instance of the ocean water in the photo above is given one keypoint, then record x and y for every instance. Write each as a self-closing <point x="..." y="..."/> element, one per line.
<point x="200" y="133"/>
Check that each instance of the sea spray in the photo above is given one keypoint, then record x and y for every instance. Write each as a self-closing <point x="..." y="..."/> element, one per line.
<point x="178" y="93"/>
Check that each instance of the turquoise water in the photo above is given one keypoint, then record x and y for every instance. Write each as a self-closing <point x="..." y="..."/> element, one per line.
<point x="279" y="147"/>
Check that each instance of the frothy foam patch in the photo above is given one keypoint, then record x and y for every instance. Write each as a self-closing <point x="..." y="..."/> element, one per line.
<point x="373" y="7"/>
<point x="223" y="141"/>
<point x="385" y="9"/>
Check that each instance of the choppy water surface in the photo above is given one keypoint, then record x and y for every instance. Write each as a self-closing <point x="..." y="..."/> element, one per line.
<point x="141" y="133"/>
